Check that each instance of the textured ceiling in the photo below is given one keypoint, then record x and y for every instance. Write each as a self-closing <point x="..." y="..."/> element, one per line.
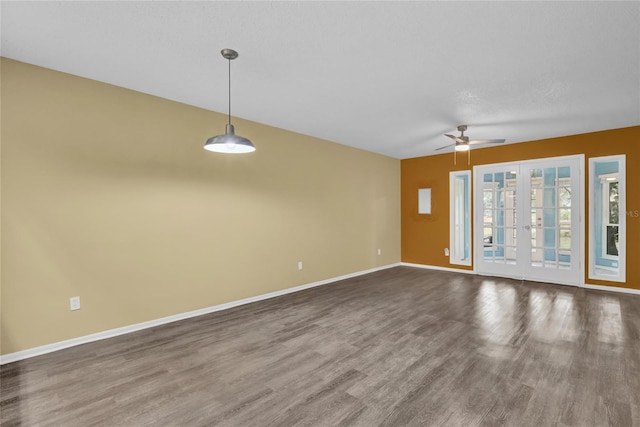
<point x="389" y="77"/>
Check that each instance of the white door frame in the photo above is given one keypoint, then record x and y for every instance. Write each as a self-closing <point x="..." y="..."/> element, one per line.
<point x="478" y="215"/>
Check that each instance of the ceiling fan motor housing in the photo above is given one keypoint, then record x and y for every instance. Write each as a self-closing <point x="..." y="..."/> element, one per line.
<point x="462" y="142"/>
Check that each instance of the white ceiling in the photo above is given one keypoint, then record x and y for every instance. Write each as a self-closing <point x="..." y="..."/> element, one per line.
<point x="389" y="77"/>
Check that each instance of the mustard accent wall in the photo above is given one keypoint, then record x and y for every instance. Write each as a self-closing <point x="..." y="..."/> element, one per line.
<point x="425" y="236"/>
<point x="107" y="194"/>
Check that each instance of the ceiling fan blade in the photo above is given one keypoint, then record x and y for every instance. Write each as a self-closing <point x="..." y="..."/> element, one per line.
<point x="446" y="146"/>
<point x="487" y="141"/>
<point x="455" y="138"/>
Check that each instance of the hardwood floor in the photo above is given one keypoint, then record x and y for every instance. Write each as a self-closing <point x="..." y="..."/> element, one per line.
<point x="398" y="347"/>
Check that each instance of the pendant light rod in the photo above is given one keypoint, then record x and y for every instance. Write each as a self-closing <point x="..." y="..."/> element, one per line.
<point x="229" y="142"/>
<point x="229" y="54"/>
<point x="229" y="75"/>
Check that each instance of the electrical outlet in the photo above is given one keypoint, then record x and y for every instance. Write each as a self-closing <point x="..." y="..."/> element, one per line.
<point x="74" y="303"/>
<point x="299" y="265"/>
<point x="446" y="251"/>
<point x="379" y="251"/>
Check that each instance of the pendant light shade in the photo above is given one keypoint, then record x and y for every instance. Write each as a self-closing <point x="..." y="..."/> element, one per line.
<point x="229" y="142"/>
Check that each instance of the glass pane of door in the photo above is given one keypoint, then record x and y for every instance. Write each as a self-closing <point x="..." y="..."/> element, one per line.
<point x="499" y="217"/>
<point x="550" y="196"/>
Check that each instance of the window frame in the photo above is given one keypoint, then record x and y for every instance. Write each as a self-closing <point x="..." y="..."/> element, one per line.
<point x="460" y="221"/>
<point x="599" y="209"/>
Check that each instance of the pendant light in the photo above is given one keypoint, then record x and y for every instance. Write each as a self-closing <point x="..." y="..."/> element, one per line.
<point x="229" y="142"/>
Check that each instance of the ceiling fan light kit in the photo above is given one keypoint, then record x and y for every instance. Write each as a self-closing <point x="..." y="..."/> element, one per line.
<point x="229" y="142"/>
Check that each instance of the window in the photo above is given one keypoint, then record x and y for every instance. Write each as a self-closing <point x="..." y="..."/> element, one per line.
<point x="460" y="218"/>
<point x="607" y="218"/>
<point x="609" y="231"/>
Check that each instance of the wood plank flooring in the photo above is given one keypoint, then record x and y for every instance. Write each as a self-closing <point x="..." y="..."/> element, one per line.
<point x="399" y="347"/>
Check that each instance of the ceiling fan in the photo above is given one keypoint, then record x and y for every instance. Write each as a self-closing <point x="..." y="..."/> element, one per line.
<point x="463" y="143"/>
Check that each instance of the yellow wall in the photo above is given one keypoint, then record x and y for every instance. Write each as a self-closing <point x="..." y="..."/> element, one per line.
<point x="424" y="237"/>
<point x="108" y="194"/>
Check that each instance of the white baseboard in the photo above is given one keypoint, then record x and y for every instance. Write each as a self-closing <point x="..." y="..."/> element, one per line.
<point x="584" y="285"/>
<point x="49" y="348"/>
<point x="612" y="289"/>
<point x="435" y="267"/>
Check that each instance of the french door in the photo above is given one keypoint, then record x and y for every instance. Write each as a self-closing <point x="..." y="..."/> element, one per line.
<point x="528" y="220"/>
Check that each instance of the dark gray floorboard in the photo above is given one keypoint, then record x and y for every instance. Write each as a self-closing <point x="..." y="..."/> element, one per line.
<point x="399" y="347"/>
